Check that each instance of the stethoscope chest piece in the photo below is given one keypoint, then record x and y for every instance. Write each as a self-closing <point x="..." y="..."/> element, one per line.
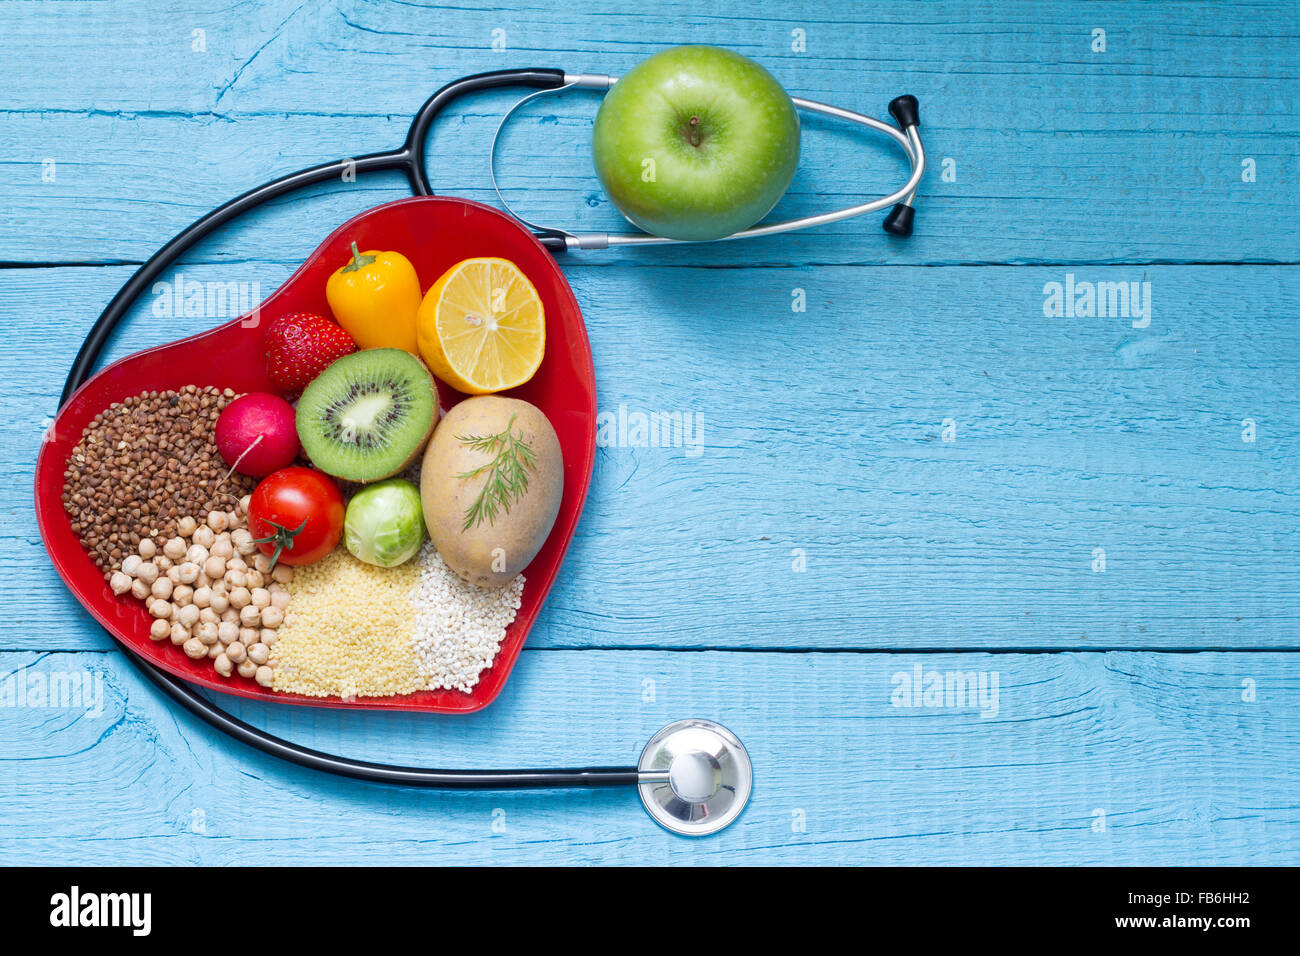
<point x="695" y="777"/>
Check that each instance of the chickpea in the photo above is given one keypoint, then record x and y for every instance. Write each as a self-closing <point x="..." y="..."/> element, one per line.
<point x="139" y="589"/>
<point x="173" y="574"/>
<point x="182" y="595"/>
<point x="147" y="572"/>
<point x="159" y="629"/>
<point x="162" y="588"/>
<point x="235" y="651"/>
<point x="280" y="599"/>
<point x="179" y="633"/>
<point x="208" y="616"/>
<point x="244" y="502"/>
<point x="248" y="636"/>
<point x="262" y="562"/>
<point x="163" y="563"/>
<point x="261" y="597"/>
<point x="202" y="596"/>
<point x="196" y="554"/>
<point x="268" y="637"/>
<point x="215" y="567"/>
<point x="131" y="564"/>
<point x="189" y="615"/>
<point x="230" y="614"/>
<point x="147" y="548"/>
<point x="186" y="526"/>
<point x="228" y="632"/>
<point x="272" y="617"/>
<point x="217" y="521"/>
<point x="189" y="572"/>
<point x="236" y="579"/>
<point x="194" y="648"/>
<point x="238" y="564"/>
<point x="215" y="651"/>
<point x="219" y="602"/>
<point x="222" y="548"/>
<point x="247" y="668"/>
<point x="258" y="653"/>
<point x="223" y="665"/>
<point x="174" y="549"/>
<point x="242" y="540"/>
<point x="250" y="615"/>
<point x="161" y="608"/>
<point x="204" y="536"/>
<point x="202" y="581"/>
<point x="264" y="675"/>
<point x="283" y="574"/>
<point x="254" y="579"/>
<point x="120" y="582"/>
<point x="207" y="633"/>
<point x="240" y="598"/>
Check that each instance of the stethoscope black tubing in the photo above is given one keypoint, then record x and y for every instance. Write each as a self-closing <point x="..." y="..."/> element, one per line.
<point x="410" y="159"/>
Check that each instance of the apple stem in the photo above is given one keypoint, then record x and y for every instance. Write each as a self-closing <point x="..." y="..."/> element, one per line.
<point x="695" y="131"/>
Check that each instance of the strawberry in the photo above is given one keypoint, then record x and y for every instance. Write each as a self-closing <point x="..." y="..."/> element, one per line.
<point x="300" y="345"/>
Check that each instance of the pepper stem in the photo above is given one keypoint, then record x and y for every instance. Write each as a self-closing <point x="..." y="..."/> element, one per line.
<point x="358" y="260"/>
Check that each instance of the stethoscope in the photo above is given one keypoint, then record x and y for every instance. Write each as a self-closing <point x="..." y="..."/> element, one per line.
<point x="694" y="776"/>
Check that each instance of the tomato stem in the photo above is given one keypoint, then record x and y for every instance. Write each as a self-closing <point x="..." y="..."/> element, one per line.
<point x="283" y="538"/>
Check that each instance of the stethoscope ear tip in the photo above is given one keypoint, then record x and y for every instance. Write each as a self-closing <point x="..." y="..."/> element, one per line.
<point x="899" y="221"/>
<point x="905" y="111"/>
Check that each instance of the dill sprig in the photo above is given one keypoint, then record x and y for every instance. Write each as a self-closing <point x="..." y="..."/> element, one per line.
<point x="507" y="473"/>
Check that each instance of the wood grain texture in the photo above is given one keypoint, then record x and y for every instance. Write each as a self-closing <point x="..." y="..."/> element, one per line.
<point x="820" y="440"/>
<point x="821" y="434"/>
<point x="1061" y="154"/>
<point x="1090" y="758"/>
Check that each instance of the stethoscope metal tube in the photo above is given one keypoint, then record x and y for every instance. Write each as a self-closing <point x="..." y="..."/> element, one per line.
<point x="694" y="776"/>
<point x="904" y="109"/>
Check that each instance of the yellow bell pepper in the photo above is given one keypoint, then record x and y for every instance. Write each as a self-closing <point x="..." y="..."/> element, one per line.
<point x="376" y="297"/>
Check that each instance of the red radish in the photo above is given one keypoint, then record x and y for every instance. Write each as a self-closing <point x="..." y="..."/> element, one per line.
<point x="257" y="434"/>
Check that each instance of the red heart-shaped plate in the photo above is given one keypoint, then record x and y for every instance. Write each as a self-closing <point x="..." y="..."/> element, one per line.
<point x="434" y="233"/>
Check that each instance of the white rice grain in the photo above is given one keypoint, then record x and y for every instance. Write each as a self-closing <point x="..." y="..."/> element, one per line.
<point x="459" y="627"/>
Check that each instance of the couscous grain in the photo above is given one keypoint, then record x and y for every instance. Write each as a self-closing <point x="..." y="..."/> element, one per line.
<point x="347" y="631"/>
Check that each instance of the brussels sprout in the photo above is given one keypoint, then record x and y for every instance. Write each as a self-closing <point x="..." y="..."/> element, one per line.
<point x="384" y="524"/>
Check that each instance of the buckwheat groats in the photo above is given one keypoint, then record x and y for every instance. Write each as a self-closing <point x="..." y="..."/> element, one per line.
<point x="142" y="465"/>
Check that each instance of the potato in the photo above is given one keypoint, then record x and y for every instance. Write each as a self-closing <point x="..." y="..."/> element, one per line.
<point x="493" y="549"/>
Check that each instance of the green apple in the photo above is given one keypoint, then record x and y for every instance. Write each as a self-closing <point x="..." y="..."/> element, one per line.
<point x="696" y="142"/>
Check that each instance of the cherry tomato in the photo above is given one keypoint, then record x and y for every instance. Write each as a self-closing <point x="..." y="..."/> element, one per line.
<point x="296" y="515"/>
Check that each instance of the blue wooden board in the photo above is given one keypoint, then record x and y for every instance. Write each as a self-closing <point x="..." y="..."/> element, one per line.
<point x="945" y="461"/>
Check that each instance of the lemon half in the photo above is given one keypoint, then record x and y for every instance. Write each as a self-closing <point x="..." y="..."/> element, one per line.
<point x="481" y="327"/>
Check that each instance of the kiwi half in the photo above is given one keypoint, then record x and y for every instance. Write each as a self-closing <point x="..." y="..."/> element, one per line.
<point x="368" y="415"/>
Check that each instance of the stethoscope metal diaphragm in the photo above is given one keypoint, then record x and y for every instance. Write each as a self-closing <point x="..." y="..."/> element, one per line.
<point x="695" y="777"/>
